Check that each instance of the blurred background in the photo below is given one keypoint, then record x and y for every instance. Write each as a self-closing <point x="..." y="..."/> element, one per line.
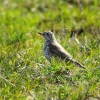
<point x="20" y="17"/>
<point x="24" y="72"/>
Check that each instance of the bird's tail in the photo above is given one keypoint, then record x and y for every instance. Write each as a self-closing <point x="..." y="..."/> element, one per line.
<point x="77" y="63"/>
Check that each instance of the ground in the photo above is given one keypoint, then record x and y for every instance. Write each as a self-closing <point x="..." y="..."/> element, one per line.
<point x="25" y="74"/>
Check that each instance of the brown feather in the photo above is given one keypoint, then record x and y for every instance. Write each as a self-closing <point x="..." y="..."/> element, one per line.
<point x="58" y="51"/>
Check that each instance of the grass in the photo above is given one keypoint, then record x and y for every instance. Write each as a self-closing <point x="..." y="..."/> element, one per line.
<point x="25" y="74"/>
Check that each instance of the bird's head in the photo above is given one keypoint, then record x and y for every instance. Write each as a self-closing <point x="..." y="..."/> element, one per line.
<point x="49" y="36"/>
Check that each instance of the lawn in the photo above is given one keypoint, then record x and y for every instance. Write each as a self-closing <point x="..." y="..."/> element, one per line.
<point x="25" y="74"/>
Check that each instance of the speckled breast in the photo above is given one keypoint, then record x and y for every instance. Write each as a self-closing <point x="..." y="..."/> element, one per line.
<point x="47" y="52"/>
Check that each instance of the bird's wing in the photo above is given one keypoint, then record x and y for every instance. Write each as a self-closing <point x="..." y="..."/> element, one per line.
<point x="58" y="51"/>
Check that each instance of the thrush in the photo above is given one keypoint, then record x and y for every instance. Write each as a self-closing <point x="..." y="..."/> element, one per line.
<point x="53" y="49"/>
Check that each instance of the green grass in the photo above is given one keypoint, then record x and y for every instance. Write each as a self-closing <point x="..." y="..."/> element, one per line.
<point x="25" y="74"/>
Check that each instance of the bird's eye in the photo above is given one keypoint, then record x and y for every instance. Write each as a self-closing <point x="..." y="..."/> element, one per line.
<point x="47" y="33"/>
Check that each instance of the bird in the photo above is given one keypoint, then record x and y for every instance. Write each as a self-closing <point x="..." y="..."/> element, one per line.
<point x="76" y="32"/>
<point x="53" y="49"/>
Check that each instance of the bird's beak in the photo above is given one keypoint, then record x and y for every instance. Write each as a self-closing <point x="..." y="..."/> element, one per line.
<point x="40" y="33"/>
